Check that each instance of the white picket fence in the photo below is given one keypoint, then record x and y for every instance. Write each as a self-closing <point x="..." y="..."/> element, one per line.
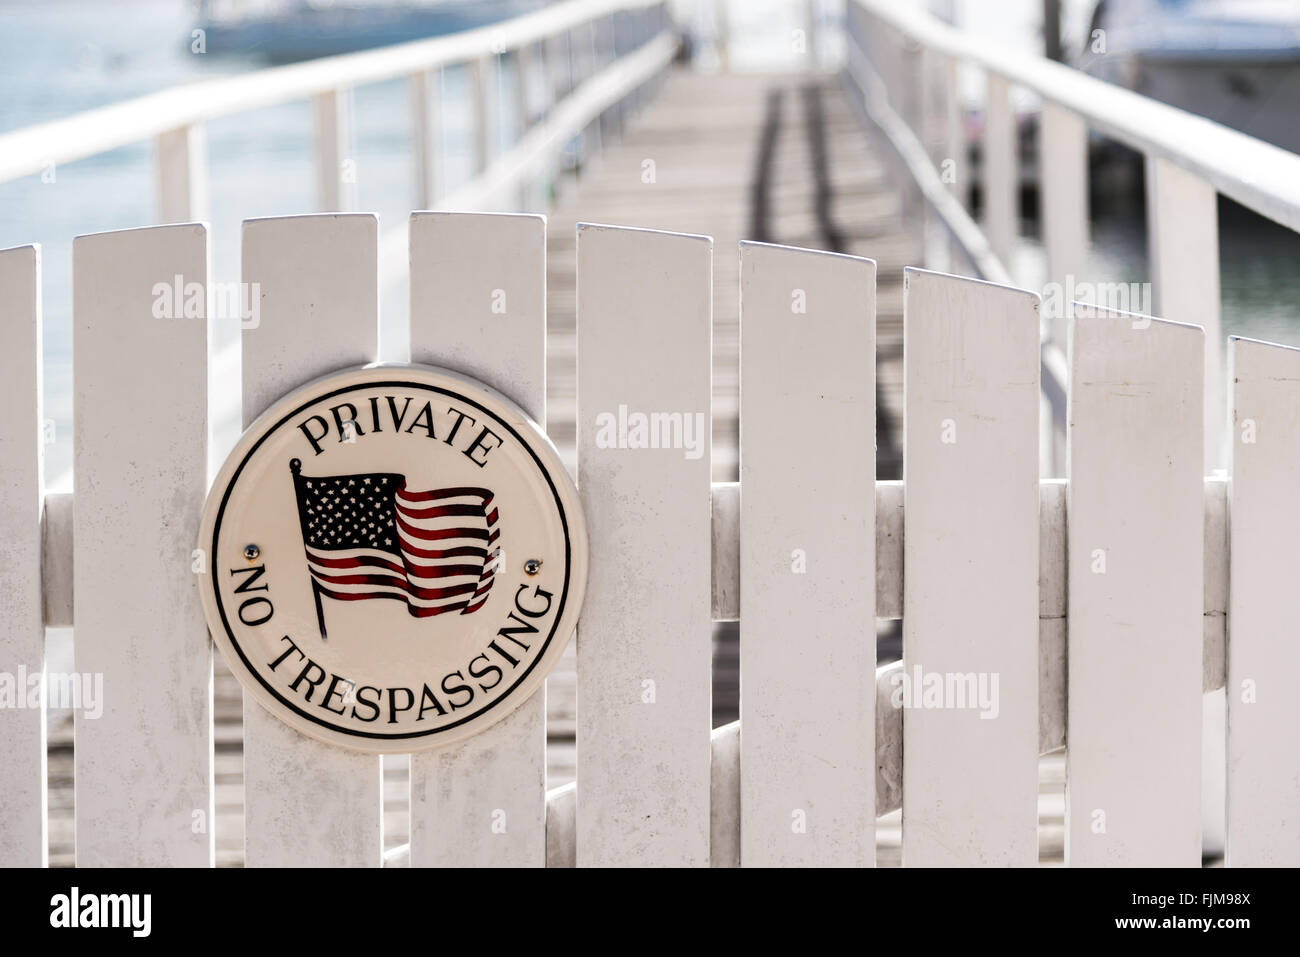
<point x="1135" y="545"/>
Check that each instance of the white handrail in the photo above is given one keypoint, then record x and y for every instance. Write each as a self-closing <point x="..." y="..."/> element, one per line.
<point x="1256" y="174"/>
<point x="86" y="134"/>
<point x="581" y="107"/>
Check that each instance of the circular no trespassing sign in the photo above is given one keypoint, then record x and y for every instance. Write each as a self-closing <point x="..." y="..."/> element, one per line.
<point x="395" y="558"/>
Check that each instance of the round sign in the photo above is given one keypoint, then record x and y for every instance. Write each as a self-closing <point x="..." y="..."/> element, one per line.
<point x="395" y="558"/>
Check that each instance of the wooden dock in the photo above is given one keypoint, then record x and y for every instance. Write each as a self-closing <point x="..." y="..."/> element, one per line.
<point x="781" y="159"/>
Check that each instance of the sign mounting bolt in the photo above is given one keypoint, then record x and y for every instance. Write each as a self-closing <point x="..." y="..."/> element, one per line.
<point x="251" y="552"/>
<point x="533" y="566"/>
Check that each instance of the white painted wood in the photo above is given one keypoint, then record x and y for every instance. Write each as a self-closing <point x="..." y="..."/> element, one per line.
<point x="181" y="158"/>
<point x="478" y="306"/>
<point x="144" y="749"/>
<point x="1063" y="165"/>
<point x="643" y="648"/>
<point x="1053" y="560"/>
<point x="936" y="248"/>
<point x="812" y="40"/>
<point x="335" y="166"/>
<point x="970" y="576"/>
<point x="1263" y="655"/>
<point x="523" y="69"/>
<point x="1215" y="651"/>
<point x="1052" y="566"/>
<point x="592" y="138"/>
<point x="999" y="170"/>
<point x="22" y="631"/>
<point x="530" y="193"/>
<point x="722" y="34"/>
<point x="426" y="135"/>
<point x="1051" y="579"/>
<point x="57" y="562"/>
<point x="556" y="73"/>
<point x="307" y="804"/>
<point x="1052" y="563"/>
<point x="482" y="83"/>
<point x="807" y="542"/>
<point x="954" y="131"/>
<point x="907" y="89"/>
<point x="1183" y="241"/>
<point x="1136" y="503"/>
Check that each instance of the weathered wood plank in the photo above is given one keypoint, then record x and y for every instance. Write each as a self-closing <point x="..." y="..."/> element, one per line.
<point x="22" y="629"/>
<point x="807" y="543"/>
<point x="140" y="359"/>
<point x="1001" y="180"/>
<point x="478" y="306"/>
<point x="1263" y="654"/>
<point x="307" y="804"/>
<point x="1183" y="248"/>
<point x="644" y="330"/>
<point x="1136" y="540"/>
<point x="970" y="576"/>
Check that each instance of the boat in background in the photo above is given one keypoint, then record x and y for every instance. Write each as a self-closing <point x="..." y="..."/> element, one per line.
<point x="284" y="31"/>
<point x="1236" y="62"/>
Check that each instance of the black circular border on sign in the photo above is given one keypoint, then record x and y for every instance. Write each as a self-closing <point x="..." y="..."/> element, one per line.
<point x="221" y="511"/>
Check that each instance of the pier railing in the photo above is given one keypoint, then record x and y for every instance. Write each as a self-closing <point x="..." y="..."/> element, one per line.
<point x="905" y="63"/>
<point x="586" y="57"/>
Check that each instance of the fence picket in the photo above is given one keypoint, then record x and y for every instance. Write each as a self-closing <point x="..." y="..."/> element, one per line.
<point x="970" y="576"/>
<point x="807" y="536"/>
<point x="1136" y="544"/>
<point x="144" y="766"/>
<point x="478" y="306"/>
<point x="22" y="628"/>
<point x="1263" y="656"/>
<point x="644" y="346"/>
<point x="307" y="804"/>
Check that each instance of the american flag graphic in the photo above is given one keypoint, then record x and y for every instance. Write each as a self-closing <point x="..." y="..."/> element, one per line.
<point x="370" y="536"/>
